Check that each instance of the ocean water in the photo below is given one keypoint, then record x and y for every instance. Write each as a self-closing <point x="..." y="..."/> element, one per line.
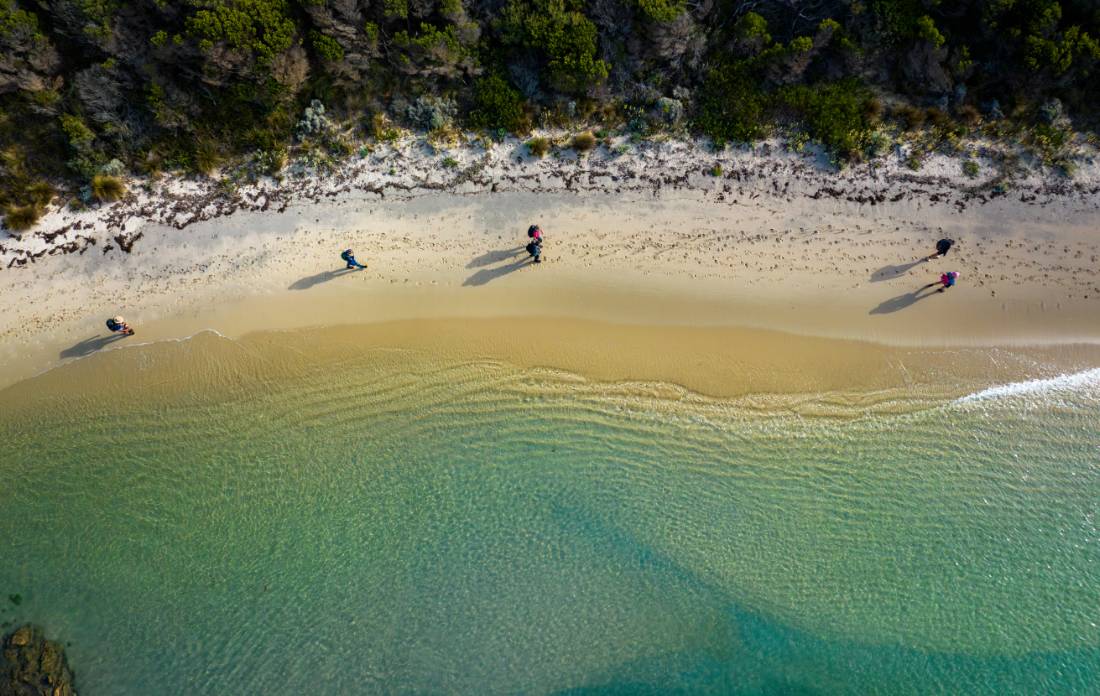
<point x="215" y="517"/>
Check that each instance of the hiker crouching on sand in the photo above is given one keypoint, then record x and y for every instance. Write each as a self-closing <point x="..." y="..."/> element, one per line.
<point x="534" y="247"/>
<point x="119" y="326"/>
<point x="947" y="280"/>
<point x="535" y="250"/>
<point x="534" y="232"/>
<point x="349" y="259"/>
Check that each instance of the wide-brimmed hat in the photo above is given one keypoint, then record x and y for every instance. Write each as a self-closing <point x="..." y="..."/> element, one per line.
<point x="119" y="320"/>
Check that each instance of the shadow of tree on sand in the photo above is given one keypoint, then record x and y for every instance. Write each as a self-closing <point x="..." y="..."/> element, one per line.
<point x="896" y="304"/>
<point x="890" y="272"/>
<point x="310" y="281"/>
<point x="89" y="346"/>
<point x="487" y="274"/>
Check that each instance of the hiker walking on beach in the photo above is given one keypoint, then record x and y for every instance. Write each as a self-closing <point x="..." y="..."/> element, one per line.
<point x="349" y="259"/>
<point x="942" y="247"/>
<point x="119" y="326"/>
<point x="947" y="280"/>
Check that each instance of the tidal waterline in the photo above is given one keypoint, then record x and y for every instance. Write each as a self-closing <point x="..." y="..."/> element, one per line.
<point x="213" y="515"/>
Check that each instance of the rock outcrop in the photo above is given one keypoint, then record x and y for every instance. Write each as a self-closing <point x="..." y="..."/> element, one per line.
<point x="33" y="666"/>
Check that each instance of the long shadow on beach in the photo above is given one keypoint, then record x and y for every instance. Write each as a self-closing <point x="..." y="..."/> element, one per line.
<point x="486" y="274"/>
<point x="890" y="272"/>
<point x="896" y="304"/>
<point x="89" y="346"/>
<point x="492" y="257"/>
<point x="310" y="281"/>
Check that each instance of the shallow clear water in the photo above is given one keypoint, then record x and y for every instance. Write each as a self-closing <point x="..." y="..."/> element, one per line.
<point x="239" y="520"/>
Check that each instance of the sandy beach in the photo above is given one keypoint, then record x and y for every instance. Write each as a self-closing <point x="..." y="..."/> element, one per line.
<point x="777" y="242"/>
<point x="719" y="432"/>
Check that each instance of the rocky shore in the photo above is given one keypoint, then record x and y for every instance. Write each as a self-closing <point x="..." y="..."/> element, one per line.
<point x="33" y="665"/>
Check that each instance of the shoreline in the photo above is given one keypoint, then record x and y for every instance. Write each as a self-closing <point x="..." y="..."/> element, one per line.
<point x="757" y="370"/>
<point x="646" y="238"/>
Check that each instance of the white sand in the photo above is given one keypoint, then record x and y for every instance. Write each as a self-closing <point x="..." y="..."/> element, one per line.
<point x="648" y="237"/>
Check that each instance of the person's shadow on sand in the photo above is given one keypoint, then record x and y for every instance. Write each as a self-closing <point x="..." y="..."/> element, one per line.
<point x="890" y="272"/>
<point x="310" y="281"/>
<point x="89" y="346"/>
<point x="489" y="258"/>
<point x="486" y="274"/>
<point x="896" y="304"/>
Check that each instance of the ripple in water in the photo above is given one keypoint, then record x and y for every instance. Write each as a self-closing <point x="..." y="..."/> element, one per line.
<point x="242" y="521"/>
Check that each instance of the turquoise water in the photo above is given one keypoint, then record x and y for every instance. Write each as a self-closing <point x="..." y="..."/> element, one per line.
<point x="236" y="522"/>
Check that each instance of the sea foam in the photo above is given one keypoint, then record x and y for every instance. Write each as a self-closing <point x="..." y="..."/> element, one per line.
<point x="1076" y="382"/>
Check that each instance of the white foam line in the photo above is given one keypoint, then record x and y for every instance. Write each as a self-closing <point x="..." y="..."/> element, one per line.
<point x="1070" y="382"/>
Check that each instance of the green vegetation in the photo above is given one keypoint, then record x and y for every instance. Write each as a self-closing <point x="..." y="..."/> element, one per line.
<point x="563" y="35"/>
<point x="262" y="28"/>
<point x="210" y="83"/>
<point x="326" y="47"/>
<point x="584" y="142"/>
<point x="538" y="147"/>
<point x="661" y="10"/>
<point x="497" y="105"/>
<point x="21" y="217"/>
<point x="835" y="114"/>
<point x="107" y="188"/>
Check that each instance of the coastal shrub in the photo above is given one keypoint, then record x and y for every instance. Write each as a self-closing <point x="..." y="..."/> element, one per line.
<point x="261" y="28"/>
<point x="327" y="47"/>
<point x="910" y="117"/>
<point x="497" y="105"/>
<point x="270" y="162"/>
<point x="206" y="157"/>
<point x="382" y="130"/>
<point x="538" y="146"/>
<point x="937" y="117"/>
<point x="732" y="104"/>
<point x="969" y="114"/>
<point x="970" y="168"/>
<point x="107" y="188"/>
<point x="450" y="163"/>
<point x="559" y="32"/>
<point x="834" y="114"/>
<point x="872" y="109"/>
<point x="431" y="113"/>
<point x="432" y="50"/>
<point x="584" y="142"/>
<point x="313" y="121"/>
<point x="21" y="217"/>
<point x="40" y="194"/>
<point x="661" y="10"/>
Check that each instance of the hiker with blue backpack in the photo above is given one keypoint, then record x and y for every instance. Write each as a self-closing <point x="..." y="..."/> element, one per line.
<point x="349" y="258"/>
<point x="947" y="280"/>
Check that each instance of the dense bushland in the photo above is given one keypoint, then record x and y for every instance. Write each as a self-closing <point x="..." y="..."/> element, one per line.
<point x="93" y="89"/>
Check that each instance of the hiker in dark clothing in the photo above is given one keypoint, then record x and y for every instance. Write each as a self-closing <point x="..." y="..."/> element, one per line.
<point x="535" y="250"/>
<point x="119" y="326"/>
<point x="942" y="247"/>
<point x="349" y="258"/>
